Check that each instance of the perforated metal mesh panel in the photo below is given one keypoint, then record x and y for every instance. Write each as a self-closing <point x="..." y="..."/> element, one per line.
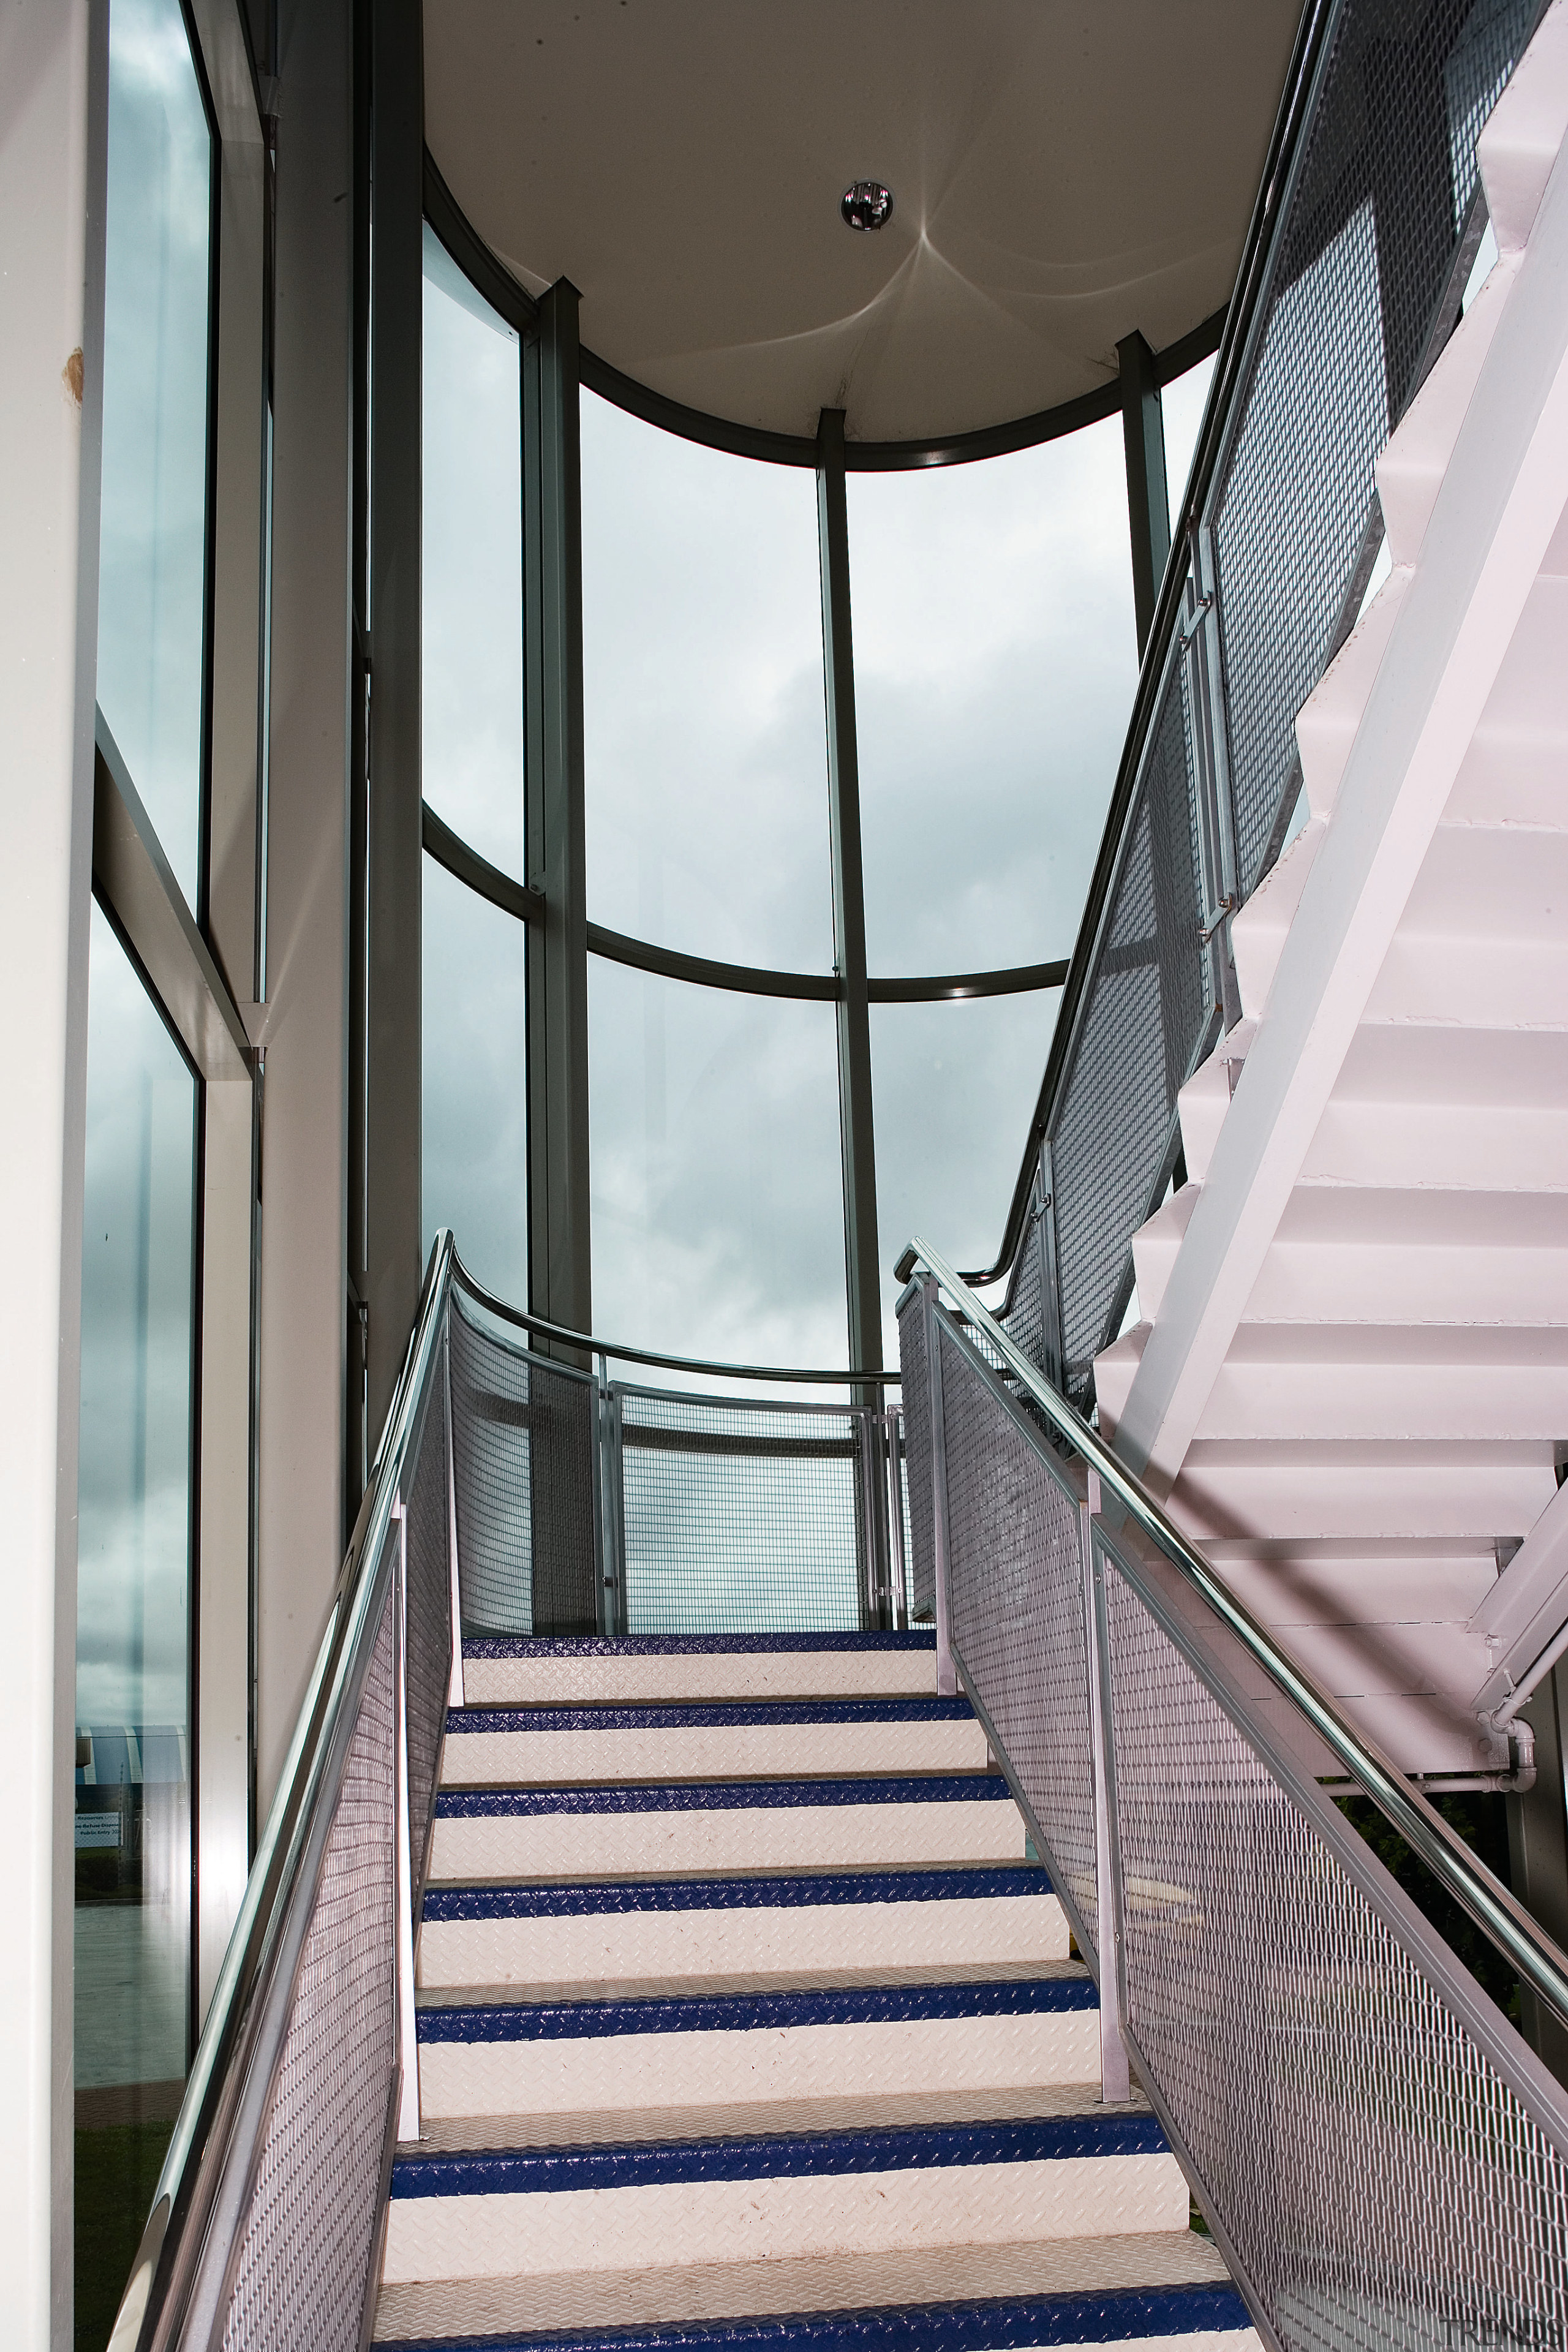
<point x="1147" y="1007"/>
<point x="1360" y="280"/>
<point x="1379" y="2182"/>
<point x="303" y="2267"/>
<point x="1025" y="1313"/>
<point x="525" y="1443"/>
<point x="915" y="1391"/>
<point x="1016" y="1591"/>
<point x="429" y="1652"/>
<point x="739" y="1517"/>
<point x="1384" y="181"/>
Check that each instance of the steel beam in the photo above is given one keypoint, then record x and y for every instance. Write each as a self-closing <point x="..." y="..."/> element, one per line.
<point x="1148" y="506"/>
<point x="559" y="1285"/>
<point x="862" y="1269"/>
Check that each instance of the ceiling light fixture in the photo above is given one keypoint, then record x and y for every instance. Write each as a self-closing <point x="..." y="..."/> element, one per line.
<point x="868" y="205"/>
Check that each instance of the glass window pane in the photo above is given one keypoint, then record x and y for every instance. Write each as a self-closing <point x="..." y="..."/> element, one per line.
<point x="471" y="576"/>
<point x="132" y="1683"/>
<point x="153" y="533"/>
<point x="1181" y="406"/>
<point x="995" y="661"/>
<point x="706" y="741"/>
<point x="474" y="1167"/>
<point x="715" y="1171"/>
<point x="954" y="1088"/>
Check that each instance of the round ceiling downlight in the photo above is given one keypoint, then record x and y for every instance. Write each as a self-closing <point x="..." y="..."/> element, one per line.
<point x="868" y="205"/>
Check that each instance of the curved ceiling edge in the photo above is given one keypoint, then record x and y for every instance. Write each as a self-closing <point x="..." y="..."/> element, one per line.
<point x="509" y="296"/>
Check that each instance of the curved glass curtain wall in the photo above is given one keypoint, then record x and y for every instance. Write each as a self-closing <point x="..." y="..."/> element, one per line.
<point x="133" y="1801"/>
<point x="996" y="660"/>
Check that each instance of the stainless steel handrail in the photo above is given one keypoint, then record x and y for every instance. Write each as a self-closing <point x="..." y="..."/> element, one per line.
<point x="588" y="1345"/>
<point x="251" y="1998"/>
<point x="1536" y="1959"/>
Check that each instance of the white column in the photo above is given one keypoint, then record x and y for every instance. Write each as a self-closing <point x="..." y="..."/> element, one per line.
<point x="53" y="87"/>
<point x="304" y="1247"/>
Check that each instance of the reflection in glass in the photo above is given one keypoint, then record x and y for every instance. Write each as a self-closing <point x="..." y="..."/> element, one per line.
<point x="474" y="1165"/>
<point x="954" y="1088"/>
<point x="1181" y="406"/>
<point x="706" y="740"/>
<point x="718" y="1229"/>
<point x="472" y="565"/>
<point x="133" y="1704"/>
<point x="153" y="533"/>
<point x="996" y="657"/>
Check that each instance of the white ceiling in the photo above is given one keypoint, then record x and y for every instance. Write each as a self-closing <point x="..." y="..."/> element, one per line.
<point x="1063" y="173"/>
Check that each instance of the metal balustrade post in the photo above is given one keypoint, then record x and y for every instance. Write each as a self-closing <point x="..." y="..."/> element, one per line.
<point x="1211" y="752"/>
<point x="893" y="1418"/>
<point x="407" y="2022"/>
<point x="1053" y="1349"/>
<point x="607" y="1609"/>
<point x="1115" y="2080"/>
<point x="616" y="1475"/>
<point x="946" y="1673"/>
<point x="454" y="1680"/>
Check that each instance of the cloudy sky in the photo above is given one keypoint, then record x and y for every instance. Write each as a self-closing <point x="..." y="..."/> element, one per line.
<point x="994" y="668"/>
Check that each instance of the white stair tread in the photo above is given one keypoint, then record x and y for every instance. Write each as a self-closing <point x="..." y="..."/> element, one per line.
<point x="623" y="1670"/>
<point x="551" y="1745"/>
<point x="709" y="2290"/>
<point x="477" y="2214"/>
<point x="848" y="2046"/>
<point x="617" y="1932"/>
<point x="725" y="1825"/>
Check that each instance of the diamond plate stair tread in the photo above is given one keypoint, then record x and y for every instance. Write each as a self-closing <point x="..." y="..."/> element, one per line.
<point x="1052" y="1992"/>
<point x="719" y="2291"/>
<point x="686" y="1987"/>
<point x="699" y="1667"/>
<point x="893" y="2111"/>
<point x="794" y="1825"/>
<point x="1086" y="2132"/>
<point x="761" y="1890"/>
<point x="469" y="1803"/>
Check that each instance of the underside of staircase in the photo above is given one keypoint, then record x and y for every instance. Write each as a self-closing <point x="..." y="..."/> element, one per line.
<point x="1351" y="1376"/>
<point x="746" y="2014"/>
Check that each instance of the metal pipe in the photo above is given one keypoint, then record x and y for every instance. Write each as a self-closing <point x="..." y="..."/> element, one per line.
<point x="1534" y="1958"/>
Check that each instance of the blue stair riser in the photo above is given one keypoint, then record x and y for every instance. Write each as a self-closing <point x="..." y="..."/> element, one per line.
<point x="1119" y="2316"/>
<point x="730" y="1714"/>
<point x="752" y="2013"/>
<point x="521" y="2172"/>
<point x="727" y="1796"/>
<point x="553" y="1901"/>
<point x="693" y="1646"/>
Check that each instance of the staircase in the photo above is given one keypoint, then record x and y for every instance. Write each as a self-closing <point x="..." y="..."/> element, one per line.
<point x="1352" y="1373"/>
<point x="745" y="2014"/>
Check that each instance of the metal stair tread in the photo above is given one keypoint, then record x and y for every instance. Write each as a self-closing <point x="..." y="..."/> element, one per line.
<point x="781" y="1981"/>
<point x="912" y="1883"/>
<point x="689" y="1645"/>
<point x="469" y="1803"/>
<point x="890" y="2110"/>
<point x="1106" y="2289"/>
<point x="1087" y="2130"/>
<point x="1045" y="1992"/>
<point x="708" y="1715"/>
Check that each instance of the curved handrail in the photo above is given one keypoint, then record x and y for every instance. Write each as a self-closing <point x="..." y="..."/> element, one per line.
<point x="588" y="1345"/>
<point x="248" y="1988"/>
<point x="1536" y="1959"/>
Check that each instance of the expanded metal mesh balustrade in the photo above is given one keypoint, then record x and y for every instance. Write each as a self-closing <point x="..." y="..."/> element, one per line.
<point x="1358" y="280"/>
<point x="1383" y="2158"/>
<point x="740" y="1518"/>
